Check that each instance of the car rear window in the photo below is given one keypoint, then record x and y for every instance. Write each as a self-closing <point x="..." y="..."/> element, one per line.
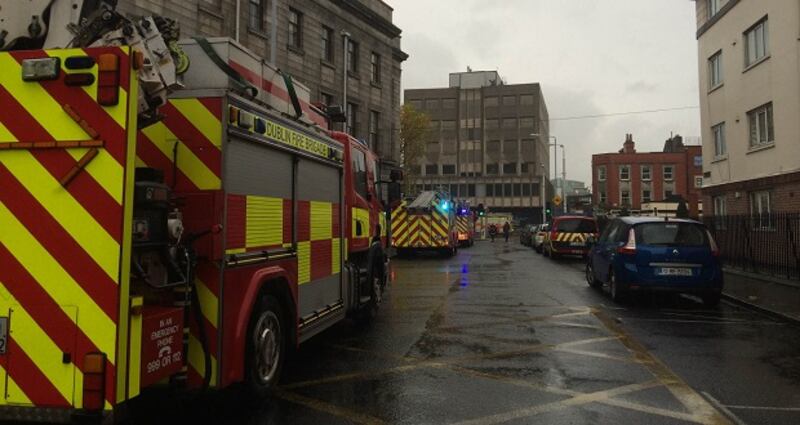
<point x="577" y="225"/>
<point x="672" y="234"/>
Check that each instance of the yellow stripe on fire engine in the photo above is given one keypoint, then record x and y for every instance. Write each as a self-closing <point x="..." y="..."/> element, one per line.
<point x="201" y="118"/>
<point x="361" y="215"/>
<point x="12" y="388"/>
<point x="209" y="303"/>
<point x="54" y="280"/>
<point x="321" y="220"/>
<point x="68" y="212"/>
<point x="188" y="162"/>
<point x="197" y="360"/>
<point x="336" y="252"/>
<point x="6" y="136"/>
<point x="51" y="116"/>
<point x="264" y="226"/>
<point x="42" y="351"/>
<point x="303" y="262"/>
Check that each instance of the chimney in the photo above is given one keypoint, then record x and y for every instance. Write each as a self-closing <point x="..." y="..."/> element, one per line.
<point x="629" y="146"/>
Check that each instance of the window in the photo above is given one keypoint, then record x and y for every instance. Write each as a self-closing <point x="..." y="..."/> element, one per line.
<point x="669" y="171"/>
<point x="526" y="99"/>
<point x="625" y="197"/>
<point x="448" y="104"/>
<point x="756" y="43"/>
<point x="646" y="173"/>
<point x="517" y="189"/>
<point x="718" y="131"/>
<point x="601" y="173"/>
<point x="760" y="209"/>
<point x="256" y="15"/>
<point x="448" y="125"/>
<point x="603" y="197"/>
<point x="625" y="172"/>
<point x="510" y="168"/>
<point x="526" y="189"/>
<point x="352" y="55"/>
<point x="509" y="100"/>
<point x="510" y="123"/>
<point x="352" y="118"/>
<point x="327" y="43"/>
<point x="492" y="169"/>
<point x="720" y="206"/>
<point x="490" y="190"/>
<point x="762" y="130"/>
<point x="525" y="167"/>
<point x="647" y="195"/>
<point x="492" y="124"/>
<point x="698" y="182"/>
<point x="526" y="122"/>
<point x="416" y="104"/>
<point x="471" y="190"/>
<point x="667" y="194"/>
<point x="715" y="70"/>
<point x="713" y="7"/>
<point x="374" y="129"/>
<point x="295" y="28"/>
<point x="327" y="99"/>
<point x="448" y="169"/>
<point x="431" y="169"/>
<point x="375" y="68"/>
<point x="490" y="101"/>
<point x="507" y="190"/>
<point x="671" y="234"/>
<point x="359" y="161"/>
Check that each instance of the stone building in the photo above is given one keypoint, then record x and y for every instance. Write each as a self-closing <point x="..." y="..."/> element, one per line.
<point x="488" y="142"/>
<point x="309" y="42"/>
<point x="749" y="104"/>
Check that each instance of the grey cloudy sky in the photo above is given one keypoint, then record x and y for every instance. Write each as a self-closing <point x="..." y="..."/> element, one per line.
<point x="591" y="57"/>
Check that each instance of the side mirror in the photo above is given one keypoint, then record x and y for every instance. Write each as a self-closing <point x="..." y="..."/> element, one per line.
<point x="395" y="193"/>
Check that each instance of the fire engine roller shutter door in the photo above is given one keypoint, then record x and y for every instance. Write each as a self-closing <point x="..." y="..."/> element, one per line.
<point x="318" y="236"/>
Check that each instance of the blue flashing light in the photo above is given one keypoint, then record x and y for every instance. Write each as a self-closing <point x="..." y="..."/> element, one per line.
<point x="445" y="205"/>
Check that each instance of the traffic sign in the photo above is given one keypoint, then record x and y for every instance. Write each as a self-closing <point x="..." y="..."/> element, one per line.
<point x="556" y="200"/>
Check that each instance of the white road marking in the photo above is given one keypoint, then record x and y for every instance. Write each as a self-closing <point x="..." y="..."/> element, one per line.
<point x="722" y="408"/>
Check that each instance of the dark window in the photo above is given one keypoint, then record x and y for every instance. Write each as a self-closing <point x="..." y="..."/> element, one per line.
<point x="526" y="190"/>
<point x="462" y="190"/>
<point x="359" y="161"/>
<point x="352" y="56"/>
<point x="431" y="169"/>
<point x="327" y="43"/>
<point x="609" y="233"/>
<point x="510" y="168"/>
<point x="517" y="189"/>
<point x="489" y="189"/>
<point x="507" y="192"/>
<point x="256" y="15"/>
<point x="470" y="189"/>
<point x="576" y="225"/>
<point x="374" y="129"/>
<point x="492" y="169"/>
<point x="535" y="188"/>
<point x="498" y="189"/>
<point x="448" y="169"/>
<point x="428" y="187"/>
<point x="295" y="28"/>
<point x="327" y="99"/>
<point x="352" y="118"/>
<point x="375" y="68"/>
<point x="671" y="234"/>
<point x="454" y="190"/>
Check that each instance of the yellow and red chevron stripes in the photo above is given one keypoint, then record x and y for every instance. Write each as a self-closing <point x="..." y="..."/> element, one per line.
<point x="421" y="231"/>
<point x="191" y="132"/>
<point x="571" y="237"/>
<point x="64" y="246"/>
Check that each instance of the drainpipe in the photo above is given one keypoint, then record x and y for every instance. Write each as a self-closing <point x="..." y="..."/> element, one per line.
<point x="238" y="18"/>
<point x="345" y="40"/>
<point x="273" y="37"/>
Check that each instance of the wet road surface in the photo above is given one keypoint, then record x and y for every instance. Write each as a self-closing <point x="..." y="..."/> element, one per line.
<point x="500" y="334"/>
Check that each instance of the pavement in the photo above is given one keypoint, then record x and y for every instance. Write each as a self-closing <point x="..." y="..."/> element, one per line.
<point x="500" y="334"/>
<point x="773" y="295"/>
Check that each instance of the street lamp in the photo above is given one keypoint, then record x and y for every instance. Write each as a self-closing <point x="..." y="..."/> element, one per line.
<point x="555" y="146"/>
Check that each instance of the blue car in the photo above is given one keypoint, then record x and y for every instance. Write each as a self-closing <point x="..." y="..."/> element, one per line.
<point x="656" y="254"/>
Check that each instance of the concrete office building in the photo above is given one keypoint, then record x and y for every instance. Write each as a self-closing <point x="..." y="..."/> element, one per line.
<point x="481" y="145"/>
<point x="309" y="45"/>
<point x="749" y="105"/>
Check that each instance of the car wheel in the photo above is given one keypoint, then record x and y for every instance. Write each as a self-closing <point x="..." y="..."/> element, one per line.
<point x="617" y="294"/>
<point x="591" y="279"/>
<point x="266" y="347"/>
<point x="712" y="300"/>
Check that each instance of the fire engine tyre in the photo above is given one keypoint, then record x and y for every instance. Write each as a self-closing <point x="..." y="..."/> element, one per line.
<point x="266" y="347"/>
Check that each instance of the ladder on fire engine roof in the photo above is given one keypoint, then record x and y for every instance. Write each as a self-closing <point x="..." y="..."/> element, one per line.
<point x="424" y="202"/>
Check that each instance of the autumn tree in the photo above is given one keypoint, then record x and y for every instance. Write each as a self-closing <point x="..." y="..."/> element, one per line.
<point x="414" y="126"/>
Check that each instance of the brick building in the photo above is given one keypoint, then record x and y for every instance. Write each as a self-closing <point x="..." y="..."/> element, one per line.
<point x="749" y="104"/>
<point x="488" y="142"/>
<point x="309" y="44"/>
<point x="627" y="179"/>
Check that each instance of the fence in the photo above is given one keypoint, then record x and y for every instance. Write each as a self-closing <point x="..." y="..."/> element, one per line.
<point x="763" y="243"/>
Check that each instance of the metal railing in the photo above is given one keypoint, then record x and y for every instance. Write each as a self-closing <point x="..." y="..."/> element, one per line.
<point x="760" y="243"/>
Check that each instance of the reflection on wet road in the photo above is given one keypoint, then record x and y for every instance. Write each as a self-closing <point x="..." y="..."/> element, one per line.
<point x="500" y="334"/>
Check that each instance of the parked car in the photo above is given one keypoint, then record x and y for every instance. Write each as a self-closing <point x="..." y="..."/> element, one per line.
<point x="526" y="234"/>
<point x="655" y="254"/>
<point x="538" y="238"/>
<point x="568" y="235"/>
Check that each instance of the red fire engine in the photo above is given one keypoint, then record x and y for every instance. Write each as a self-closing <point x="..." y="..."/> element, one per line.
<point x="186" y="240"/>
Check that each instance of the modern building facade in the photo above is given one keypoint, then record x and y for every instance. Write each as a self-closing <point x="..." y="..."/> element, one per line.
<point x="627" y="179"/>
<point x="749" y="103"/>
<point x="310" y="39"/>
<point x="488" y="142"/>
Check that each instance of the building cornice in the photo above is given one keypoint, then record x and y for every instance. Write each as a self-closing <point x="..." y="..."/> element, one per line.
<point x="713" y="20"/>
<point x="359" y="10"/>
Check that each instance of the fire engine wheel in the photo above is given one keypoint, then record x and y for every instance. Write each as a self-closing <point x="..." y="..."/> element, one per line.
<point x="266" y="347"/>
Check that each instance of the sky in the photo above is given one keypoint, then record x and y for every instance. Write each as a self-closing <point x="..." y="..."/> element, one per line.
<point x="591" y="57"/>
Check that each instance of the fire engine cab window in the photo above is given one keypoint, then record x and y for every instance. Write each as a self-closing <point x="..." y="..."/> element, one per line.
<point x="359" y="172"/>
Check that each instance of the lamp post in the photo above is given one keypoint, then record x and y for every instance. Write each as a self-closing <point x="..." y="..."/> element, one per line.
<point x="541" y="192"/>
<point x="555" y="146"/>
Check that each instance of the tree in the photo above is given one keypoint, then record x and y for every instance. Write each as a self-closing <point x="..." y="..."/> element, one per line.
<point x="414" y="125"/>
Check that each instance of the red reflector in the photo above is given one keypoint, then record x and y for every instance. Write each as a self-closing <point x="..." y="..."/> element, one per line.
<point x="108" y="79"/>
<point x="92" y="400"/>
<point x="94" y="381"/>
<point x="79" y="79"/>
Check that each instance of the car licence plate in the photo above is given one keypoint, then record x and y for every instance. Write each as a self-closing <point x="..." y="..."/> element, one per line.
<point x="3" y="334"/>
<point x="577" y="244"/>
<point x="674" y="271"/>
